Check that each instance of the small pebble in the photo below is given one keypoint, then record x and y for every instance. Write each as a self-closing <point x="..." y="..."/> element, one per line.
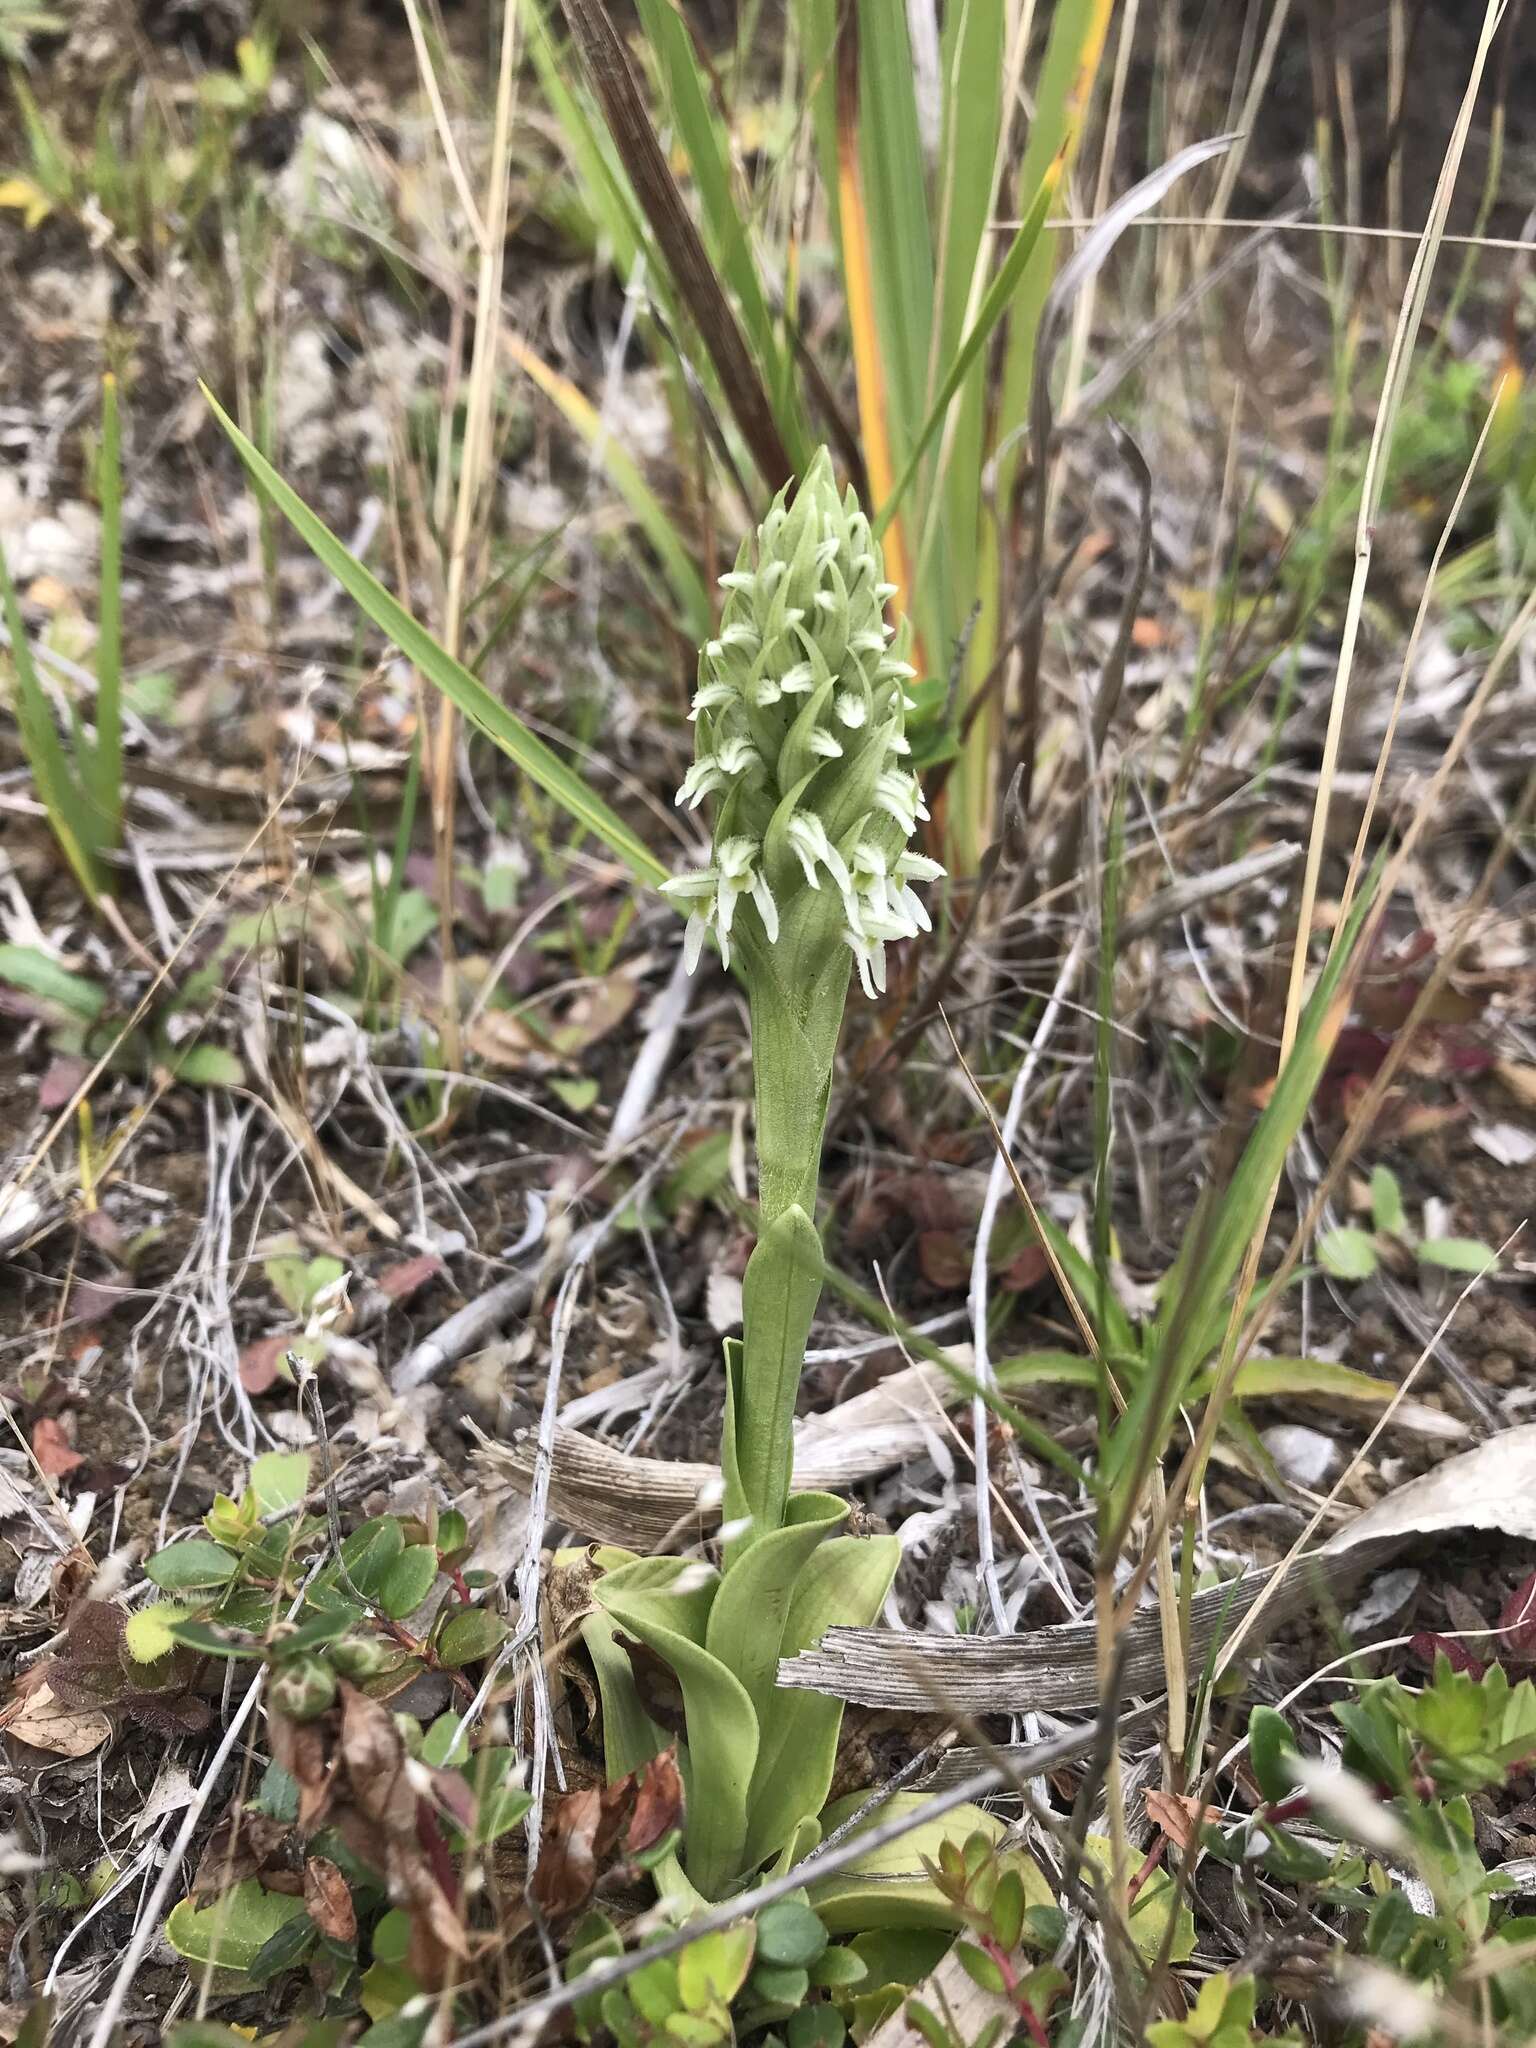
<point x="1304" y="1456"/>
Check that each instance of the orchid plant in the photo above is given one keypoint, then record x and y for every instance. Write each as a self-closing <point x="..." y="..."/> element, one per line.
<point x="800" y="746"/>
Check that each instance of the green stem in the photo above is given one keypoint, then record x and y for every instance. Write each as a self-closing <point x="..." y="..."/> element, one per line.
<point x="794" y="1044"/>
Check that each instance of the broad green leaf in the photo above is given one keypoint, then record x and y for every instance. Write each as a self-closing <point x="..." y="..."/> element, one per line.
<point x="209" y="1641"/>
<point x="445" y="1745"/>
<point x="790" y="1935"/>
<point x="1158" y="1903"/>
<point x="1271" y="1746"/>
<point x="500" y="1800"/>
<point x="779" y="1295"/>
<point x="1268" y="1379"/>
<point x="1457" y="1255"/>
<point x="279" y="1480"/>
<point x="191" y="1566"/>
<point x="230" y="1933"/>
<point x="751" y="1607"/>
<point x="368" y="1554"/>
<point x="646" y="1602"/>
<point x="37" y="973"/>
<point x="1347" y="1254"/>
<point x="477" y="703"/>
<point x="844" y="1584"/>
<point x="408" y="1581"/>
<point x="327" y="1627"/>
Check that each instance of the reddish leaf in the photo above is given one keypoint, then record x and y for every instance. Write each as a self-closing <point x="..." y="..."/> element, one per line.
<point x="1027" y="1270"/>
<point x="1426" y="1645"/>
<point x="328" y="1900"/>
<point x="375" y="1759"/>
<point x="300" y="1747"/>
<point x="1517" y="1623"/>
<point x="944" y="1260"/>
<point x="59" y="1082"/>
<point x="52" y="1448"/>
<point x="259" y="1361"/>
<point x="402" y="1281"/>
<point x="92" y="1301"/>
<point x="658" y="1804"/>
<point x="1177" y="1816"/>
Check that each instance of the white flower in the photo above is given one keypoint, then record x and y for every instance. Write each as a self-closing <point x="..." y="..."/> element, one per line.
<point x="871" y="958"/>
<point x="851" y="709"/>
<point x="718" y="889"/>
<point x="917" y="867"/>
<point x="808" y="836"/>
<point x="711" y="695"/>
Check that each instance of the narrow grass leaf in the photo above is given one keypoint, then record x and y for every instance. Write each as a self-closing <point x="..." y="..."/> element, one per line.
<point x="677" y="238"/>
<point x="539" y="762"/>
<point x="624" y="474"/>
<point x="58" y="789"/>
<point x="105" y="761"/>
<point x="993" y="306"/>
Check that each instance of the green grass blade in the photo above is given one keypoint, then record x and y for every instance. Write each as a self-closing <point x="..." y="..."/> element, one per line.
<point x="1227" y="1229"/>
<point x="696" y="130"/>
<point x="623" y="473"/>
<point x="59" y="791"/>
<point x="999" y="292"/>
<point x="539" y="762"/>
<point x="1103" y="1060"/>
<point x="608" y="194"/>
<point x="105" y="761"/>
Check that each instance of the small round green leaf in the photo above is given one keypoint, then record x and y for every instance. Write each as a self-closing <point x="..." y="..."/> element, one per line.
<point x="408" y="1581"/>
<point x="790" y="1935"/>
<point x="279" y="1480"/>
<point x="469" y="1636"/>
<point x="191" y="1567"/>
<point x="1348" y="1254"/>
<point x="817" y="2026"/>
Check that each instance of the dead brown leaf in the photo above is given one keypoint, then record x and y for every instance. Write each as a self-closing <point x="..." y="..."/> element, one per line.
<point x="300" y="1747"/>
<point x="42" y="1721"/>
<point x="658" y="1804"/>
<point x="580" y="1839"/>
<point x="245" y="1845"/>
<point x="259" y="1361"/>
<point x="402" y="1281"/>
<point x="328" y="1900"/>
<point x="375" y="1758"/>
<point x="1177" y="1815"/>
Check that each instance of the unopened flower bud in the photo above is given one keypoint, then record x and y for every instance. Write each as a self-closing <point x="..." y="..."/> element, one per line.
<point x="363" y="1657"/>
<point x="301" y="1690"/>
